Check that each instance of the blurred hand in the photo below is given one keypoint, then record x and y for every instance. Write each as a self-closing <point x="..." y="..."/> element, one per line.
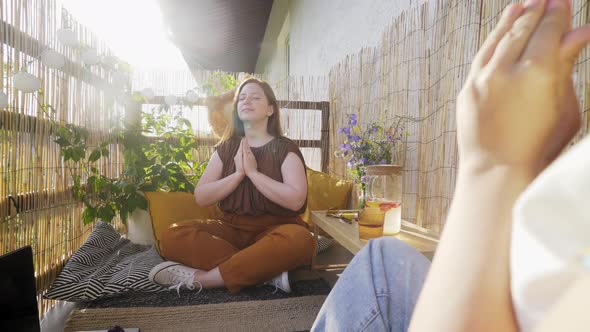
<point x="518" y="106"/>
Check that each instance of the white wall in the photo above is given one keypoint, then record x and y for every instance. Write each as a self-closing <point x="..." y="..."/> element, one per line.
<point x="322" y="33"/>
<point x="271" y="60"/>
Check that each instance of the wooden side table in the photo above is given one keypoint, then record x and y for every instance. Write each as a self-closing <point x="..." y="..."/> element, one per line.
<point x="347" y="235"/>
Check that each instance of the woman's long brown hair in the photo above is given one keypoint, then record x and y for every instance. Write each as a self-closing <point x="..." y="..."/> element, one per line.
<point x="236" y="126"/>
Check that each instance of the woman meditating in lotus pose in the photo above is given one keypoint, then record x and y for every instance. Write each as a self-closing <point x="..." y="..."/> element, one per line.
<point x="258" y="178"/>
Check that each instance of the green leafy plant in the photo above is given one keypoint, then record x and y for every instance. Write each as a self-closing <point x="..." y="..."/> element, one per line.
<point x="166" y="162"/>
<point x="219" y="83"/>
<point x="103" y="197"/>
<point x="158" y="156"/>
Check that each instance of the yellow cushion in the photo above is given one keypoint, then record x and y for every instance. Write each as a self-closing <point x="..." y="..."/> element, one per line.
<point x="166" y="208"/>
<point x="325" y="192"/>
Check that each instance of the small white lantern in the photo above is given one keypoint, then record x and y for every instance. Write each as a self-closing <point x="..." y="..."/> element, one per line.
<point x="147" y="93"/>
<point x="52" y="59"/>
<point x="3" y="99"/>
<point x="191" y="96"/>
<point x="171" y="100"/>
<point x="67" y="37"/>
<point x="110" y="60"/>
<point x="26" y="82"/>
<point x="89" y="56"/>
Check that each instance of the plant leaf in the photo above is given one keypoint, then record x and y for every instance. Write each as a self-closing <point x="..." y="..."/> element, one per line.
<point x="105" y="213"/>
<point x="94" y="156"/>
<point x="89" y="215"/>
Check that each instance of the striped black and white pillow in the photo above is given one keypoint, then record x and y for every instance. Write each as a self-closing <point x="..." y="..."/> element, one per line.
<point x="106" y="265"/>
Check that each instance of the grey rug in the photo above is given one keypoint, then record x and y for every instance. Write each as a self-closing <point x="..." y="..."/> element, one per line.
<point x="208" y="296"/>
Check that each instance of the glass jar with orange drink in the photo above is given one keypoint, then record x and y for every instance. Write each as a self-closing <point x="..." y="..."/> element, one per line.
<point x="382" y="212"/>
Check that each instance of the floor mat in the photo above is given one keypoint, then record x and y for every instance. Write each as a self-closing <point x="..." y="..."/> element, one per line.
<point x="209" y="296"/>
<point x="290" y="314"/>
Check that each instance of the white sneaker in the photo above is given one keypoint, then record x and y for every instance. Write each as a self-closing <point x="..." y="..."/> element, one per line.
<point x="280" y="282"/>
<point x="174" y="275"/>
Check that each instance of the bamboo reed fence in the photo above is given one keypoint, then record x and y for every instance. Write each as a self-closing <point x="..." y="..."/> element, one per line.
<point x="416" y="72"/>
<point x="36" y="204"/>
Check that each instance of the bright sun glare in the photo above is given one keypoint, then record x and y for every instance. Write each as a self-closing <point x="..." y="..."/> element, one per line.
<point x="133" y="29"/>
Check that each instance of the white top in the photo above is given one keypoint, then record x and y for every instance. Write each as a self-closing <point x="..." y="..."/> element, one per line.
<point x="551" y="230"/>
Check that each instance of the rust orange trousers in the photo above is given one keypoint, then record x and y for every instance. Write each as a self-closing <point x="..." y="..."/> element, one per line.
<point x="248" y="250"/>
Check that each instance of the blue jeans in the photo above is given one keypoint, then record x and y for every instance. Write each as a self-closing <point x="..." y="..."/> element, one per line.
<point x="377" y="291"/>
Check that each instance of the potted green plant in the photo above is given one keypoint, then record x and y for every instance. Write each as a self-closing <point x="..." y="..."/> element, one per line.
<point x="158" y="156"/>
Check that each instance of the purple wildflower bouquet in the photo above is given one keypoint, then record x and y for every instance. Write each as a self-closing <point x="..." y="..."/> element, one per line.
<point x="371" y="146"/>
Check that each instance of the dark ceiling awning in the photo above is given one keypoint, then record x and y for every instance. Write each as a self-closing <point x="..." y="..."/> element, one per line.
<point x="218" y="34"/>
